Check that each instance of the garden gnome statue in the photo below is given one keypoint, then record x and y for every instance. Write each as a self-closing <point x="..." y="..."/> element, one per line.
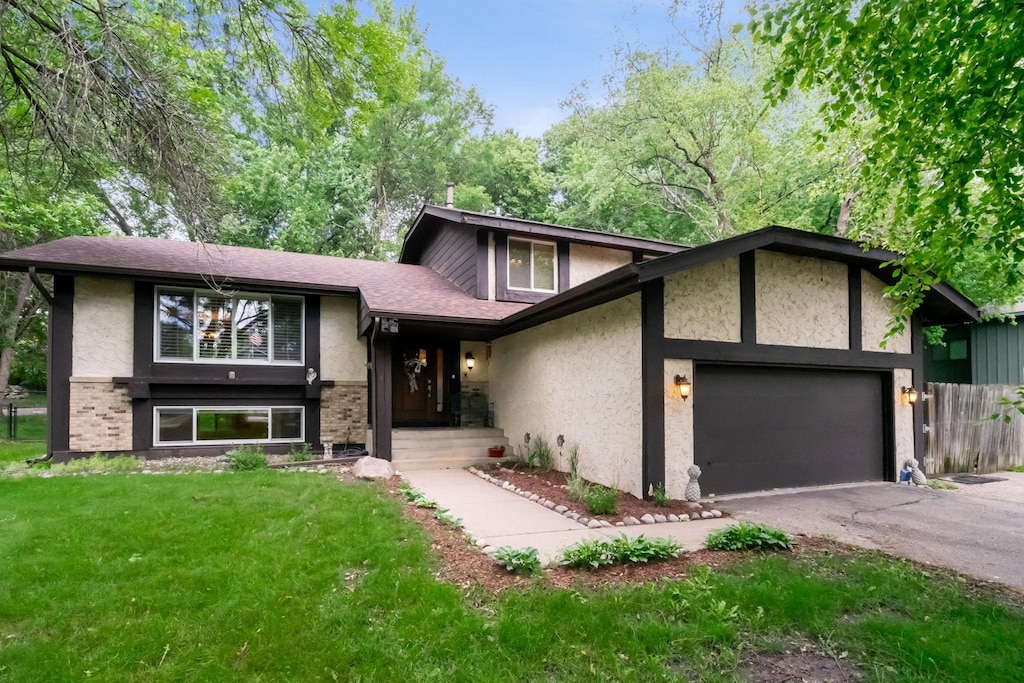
<point x="692" y="492"/>
<point x="916" y="475"/>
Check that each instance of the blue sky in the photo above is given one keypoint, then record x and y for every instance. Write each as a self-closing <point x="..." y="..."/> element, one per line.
<point x="524" y="56"/>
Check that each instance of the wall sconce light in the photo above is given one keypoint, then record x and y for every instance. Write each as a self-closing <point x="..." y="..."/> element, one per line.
<point x="470" y="361"/>
<point x="683" y="386"/>
<point x="910" y="394"/>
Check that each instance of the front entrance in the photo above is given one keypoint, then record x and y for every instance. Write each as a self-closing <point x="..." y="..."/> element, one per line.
<point x="423" y="383"/>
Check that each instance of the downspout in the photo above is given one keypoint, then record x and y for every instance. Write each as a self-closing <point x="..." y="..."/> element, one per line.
<point x="34" y="277"/>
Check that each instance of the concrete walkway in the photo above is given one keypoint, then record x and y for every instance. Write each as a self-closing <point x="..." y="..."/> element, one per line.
<point x="499" y="517"/>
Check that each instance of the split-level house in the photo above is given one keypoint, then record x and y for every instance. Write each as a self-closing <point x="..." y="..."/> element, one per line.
<point x="759" y="357"/>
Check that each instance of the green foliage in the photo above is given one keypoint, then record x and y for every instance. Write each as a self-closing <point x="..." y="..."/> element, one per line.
<point x="588" y="554"/>
<point x="508" y="170"/>
<point x="538" y="454"/>
<point x="444" y="516"/>
<point x="415" y="496"/>
<point x="940" y="485"/>
<point x="1017" y="468"/>
<point x="94" y="464"/>
<point x="931" y="88"/>
<point x="300" y="453"/>
<point x="519" y="561"/>
<point x="600" y="500"/>
<point x="594" y="553"/>
<point x="246" y="458"/>
<point x="660" y="497"/>
<point x="747" y="536"/>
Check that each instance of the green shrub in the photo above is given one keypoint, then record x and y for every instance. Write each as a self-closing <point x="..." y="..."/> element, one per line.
<point x="587" y="554"/>
<point x="539" y="454"/>
<point x="300" y="453"/>
<point x="444" y="516"/>
<point x="623" y="550"/>
<point x="643" y="549"/>
<point x="522" y="562"/>
<point x="747" y="536"/>
<point x="416" y="497"/>
<point x="660" y="497"/>
<point x="245" y="458"/>
<point x="601" y="500"/>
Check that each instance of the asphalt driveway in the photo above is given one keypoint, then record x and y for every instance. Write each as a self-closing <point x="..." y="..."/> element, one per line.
<point x="973" y="530"/>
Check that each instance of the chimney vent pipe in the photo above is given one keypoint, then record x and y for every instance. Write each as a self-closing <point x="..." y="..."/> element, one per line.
<point x="449" y="200"/>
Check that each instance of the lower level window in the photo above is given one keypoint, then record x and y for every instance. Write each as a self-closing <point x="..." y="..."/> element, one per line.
<point x="200" y="424"/>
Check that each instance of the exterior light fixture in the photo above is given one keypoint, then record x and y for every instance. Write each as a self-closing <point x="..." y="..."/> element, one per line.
<point x="683" y="386"/>
<point x="470" y="361"/>
<point x="910" y="394"/>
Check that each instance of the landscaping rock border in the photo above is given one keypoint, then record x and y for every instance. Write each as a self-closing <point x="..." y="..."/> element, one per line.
<point x="586" y="521"/>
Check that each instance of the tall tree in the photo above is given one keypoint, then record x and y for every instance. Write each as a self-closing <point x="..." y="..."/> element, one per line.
<point x="937" y="86"/>
<point x="697" y="141"/>
<point x="508" y="170"/>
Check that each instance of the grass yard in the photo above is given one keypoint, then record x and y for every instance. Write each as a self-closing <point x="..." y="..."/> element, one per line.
<point x="267" y="576"/>
<point x="18" y="451"/>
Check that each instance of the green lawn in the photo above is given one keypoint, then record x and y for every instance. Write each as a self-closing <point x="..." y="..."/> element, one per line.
<point x="17" y="451"/>
<point x="268" y="576"/>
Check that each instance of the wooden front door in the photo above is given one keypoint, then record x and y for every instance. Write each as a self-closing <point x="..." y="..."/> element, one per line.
<point x="421" y="388"/>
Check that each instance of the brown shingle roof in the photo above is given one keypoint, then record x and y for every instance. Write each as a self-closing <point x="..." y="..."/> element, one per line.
<point x="388" y="288"/>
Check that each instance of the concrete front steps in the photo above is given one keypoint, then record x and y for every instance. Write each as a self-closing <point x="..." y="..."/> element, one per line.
<point x="438" y="449"/>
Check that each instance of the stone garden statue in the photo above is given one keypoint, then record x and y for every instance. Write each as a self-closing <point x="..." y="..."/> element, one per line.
<point x="916" y="475"/>
<point x="692" y="492"/>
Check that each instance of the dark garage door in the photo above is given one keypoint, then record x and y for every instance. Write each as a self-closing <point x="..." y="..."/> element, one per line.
<point x="764" y="428"/>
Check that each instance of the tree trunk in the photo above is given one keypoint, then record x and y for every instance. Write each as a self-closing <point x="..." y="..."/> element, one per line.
<point x="9" y="331"/>
<point x="845" y="211"/>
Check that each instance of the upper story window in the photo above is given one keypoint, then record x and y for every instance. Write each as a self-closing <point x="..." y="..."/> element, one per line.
<point x="199" y="326"/>
<point x="532" y="266"/>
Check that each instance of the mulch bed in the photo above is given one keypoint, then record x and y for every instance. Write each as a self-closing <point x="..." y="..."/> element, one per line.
<point x="553" y="485"/>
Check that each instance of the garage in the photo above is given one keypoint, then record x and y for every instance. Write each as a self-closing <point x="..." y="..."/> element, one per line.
<point x="758" y="428"/>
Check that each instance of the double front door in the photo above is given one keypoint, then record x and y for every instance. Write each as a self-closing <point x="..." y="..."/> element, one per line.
<point x="424" y="377"/>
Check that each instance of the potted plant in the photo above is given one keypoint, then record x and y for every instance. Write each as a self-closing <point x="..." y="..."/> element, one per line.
<point x="496" y="451"/>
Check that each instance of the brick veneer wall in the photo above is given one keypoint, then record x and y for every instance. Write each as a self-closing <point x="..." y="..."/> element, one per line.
<point x="101" y="416"/>
<point x="343" y="412"/>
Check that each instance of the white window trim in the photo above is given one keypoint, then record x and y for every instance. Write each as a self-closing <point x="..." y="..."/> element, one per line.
<point x="196" y="293"/>
<point x="508" y="265"/>
<point x="227" y="442"/>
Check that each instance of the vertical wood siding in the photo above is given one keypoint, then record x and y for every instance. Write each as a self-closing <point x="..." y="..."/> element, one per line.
<point x="452" y="253"/>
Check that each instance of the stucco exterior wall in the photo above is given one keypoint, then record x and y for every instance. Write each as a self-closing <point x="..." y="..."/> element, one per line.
<point x="586" y="262"/>
<point x="101" y="416"/>
<point x="678" y="429"/>
<point x="875" y="313"/>
<point x="802" y="301"/>
<point x="704" y="302"/>
<point x="578" y="376"/>
<point x="103" y="328"/>
<point x="903" y="415"/>
<point x="342" y="351"/>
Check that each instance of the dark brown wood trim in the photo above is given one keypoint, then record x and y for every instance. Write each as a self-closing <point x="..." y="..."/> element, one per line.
<point x="797" y="356"/>
<point x="563" y="265"/>
<point x="58" y="399"/>
<point x="502" y="291"/>
<point x="856" y="317"/>
<point x="482" y="266"/>
<point x="652" y="322"/>
<point x="748" y="297"/>
<point x="917" y="378"/>
<point x="312" y="355"/>
<point x="38" y="284"/>
<point x="888" y="428"/>
<point x="382" y="397"/>
<point x="637" y="256"/>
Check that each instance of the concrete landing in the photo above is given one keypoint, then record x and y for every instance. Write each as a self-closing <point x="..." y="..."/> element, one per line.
<point x="499" y="517"/>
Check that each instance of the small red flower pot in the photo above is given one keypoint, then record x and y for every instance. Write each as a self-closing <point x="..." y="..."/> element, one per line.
<point x="496" y="451"/>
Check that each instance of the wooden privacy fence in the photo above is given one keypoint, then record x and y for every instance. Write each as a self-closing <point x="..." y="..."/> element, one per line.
<point x="960" y="438"/>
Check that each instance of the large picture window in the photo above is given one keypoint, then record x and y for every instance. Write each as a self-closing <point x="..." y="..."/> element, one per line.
<point x="215" y="425"/>
<point x="207" y="327"/>
<point x="532" y="266"/>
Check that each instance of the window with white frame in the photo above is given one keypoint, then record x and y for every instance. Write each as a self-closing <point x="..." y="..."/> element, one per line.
<point x="211" y="327"/>
<point x="215" y="425"/>
<point x="532" y="266"/>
